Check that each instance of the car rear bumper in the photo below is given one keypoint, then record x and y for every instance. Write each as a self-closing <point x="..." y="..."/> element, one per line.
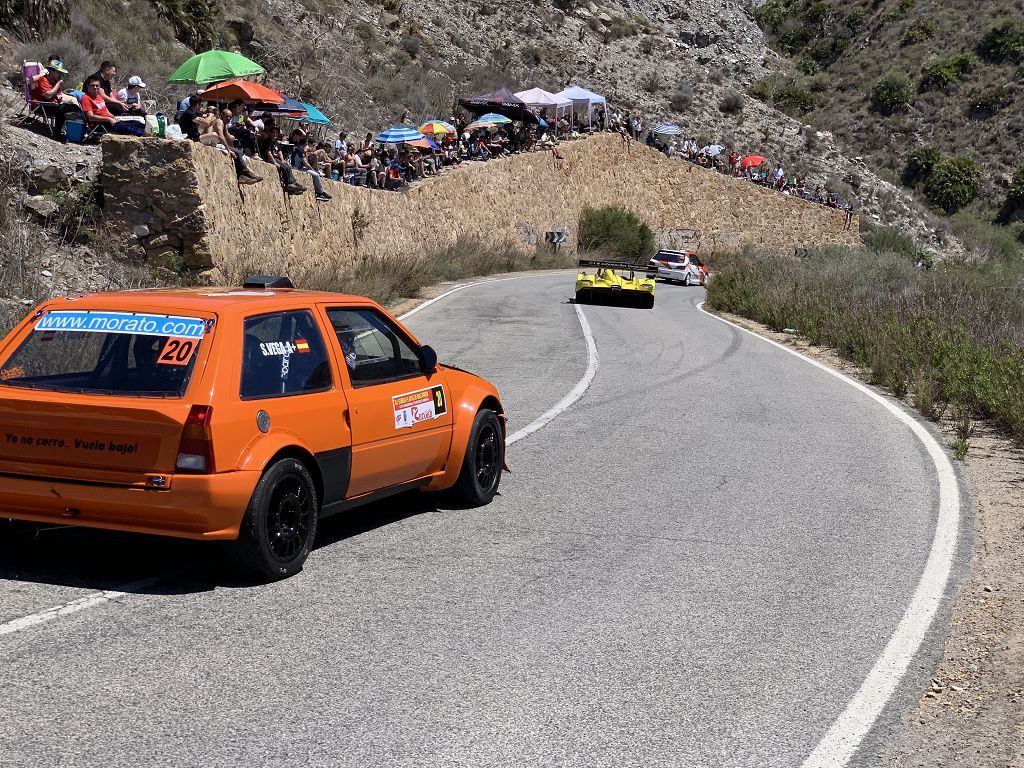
<point x="195" y="507"/>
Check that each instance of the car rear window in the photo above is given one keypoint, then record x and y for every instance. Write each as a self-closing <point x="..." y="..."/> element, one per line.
<point x="671" y="257"/>
<point x="116" y="353"/>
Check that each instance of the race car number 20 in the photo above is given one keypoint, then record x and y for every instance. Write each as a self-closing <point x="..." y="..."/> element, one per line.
<point x="419" y="406"/>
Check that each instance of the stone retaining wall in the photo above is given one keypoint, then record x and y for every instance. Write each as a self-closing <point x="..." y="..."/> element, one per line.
<point x="185" y="209"/>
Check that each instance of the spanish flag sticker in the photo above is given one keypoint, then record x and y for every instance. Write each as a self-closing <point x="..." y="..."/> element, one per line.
<point x="302" y="346"/>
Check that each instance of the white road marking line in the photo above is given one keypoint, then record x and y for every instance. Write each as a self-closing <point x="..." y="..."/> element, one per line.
<point x="81" y="604"/>
<point x="577" y="392"/>
<point x="844" y="737"/>
<point x="105" y="596"/>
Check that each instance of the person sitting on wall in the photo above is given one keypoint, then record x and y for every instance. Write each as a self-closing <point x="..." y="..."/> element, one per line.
<point x="240" y="127"/>
<point x="301" y="162"/>
<point x="47" y="90"/>
<point x="268" y="145"/>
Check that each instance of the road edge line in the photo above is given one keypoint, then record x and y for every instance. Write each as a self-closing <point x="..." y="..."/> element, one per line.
<point x="593" y="361"/>
<point x="842" y="740"/>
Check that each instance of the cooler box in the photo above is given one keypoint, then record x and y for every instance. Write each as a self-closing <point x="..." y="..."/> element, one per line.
<point x="74" y="130"/>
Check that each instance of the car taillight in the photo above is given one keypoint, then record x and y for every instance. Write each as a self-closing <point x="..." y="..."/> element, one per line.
<point x="195" y="452"/>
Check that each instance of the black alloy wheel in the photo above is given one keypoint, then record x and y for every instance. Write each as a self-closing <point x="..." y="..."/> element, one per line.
<point x="289" y="518"/>
<point x="279" y="526"/>
<point x="485" y="458"/>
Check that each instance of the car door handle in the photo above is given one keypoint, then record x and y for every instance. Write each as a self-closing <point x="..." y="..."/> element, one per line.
<point x="348" y="420"/>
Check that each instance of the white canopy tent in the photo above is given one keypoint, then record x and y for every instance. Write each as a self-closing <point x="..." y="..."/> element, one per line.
<point x="538" y="98"/>
<point x="582" y="97"/>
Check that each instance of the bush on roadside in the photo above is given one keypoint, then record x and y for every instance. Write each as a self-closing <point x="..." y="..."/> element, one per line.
<point x="952" y="184"/>
<point x="892" y="93"/>
<point x="760" y="90"/>
<point x="615" y="231"/>
<point x="953" y="334"/>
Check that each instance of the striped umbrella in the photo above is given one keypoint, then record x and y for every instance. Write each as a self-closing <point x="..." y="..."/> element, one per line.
<point x="435" y="127"/>
<point x="426" y="143"/>
<point x="668" y="129"/>
<point x="398" y="135"/>
<point x="493" y="118"/>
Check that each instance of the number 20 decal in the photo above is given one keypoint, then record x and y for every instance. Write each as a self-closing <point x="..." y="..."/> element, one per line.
<point x="177" y="352"/>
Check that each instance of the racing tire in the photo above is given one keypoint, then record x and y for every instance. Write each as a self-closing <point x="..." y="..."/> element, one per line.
<point x="686" y="280"/>
<point x="280" y="523"/>
<point x="485" y="457"/>
<point x="647" y="302"/>
<point x="583" y="297"/>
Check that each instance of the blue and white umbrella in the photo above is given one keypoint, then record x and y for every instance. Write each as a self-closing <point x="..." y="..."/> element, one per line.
<point x="668" y="129"/>
<point x="399" y="134"/>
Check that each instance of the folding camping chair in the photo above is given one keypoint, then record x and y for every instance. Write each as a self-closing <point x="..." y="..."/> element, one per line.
<point x="32" y="110"/>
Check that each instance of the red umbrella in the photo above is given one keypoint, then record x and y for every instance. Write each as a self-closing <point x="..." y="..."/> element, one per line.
<point x="751" y="161"/>
<point x="245" y="90"/>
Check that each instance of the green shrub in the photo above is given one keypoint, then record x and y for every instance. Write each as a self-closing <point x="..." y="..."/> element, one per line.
<point x="650" y="82"/>
<point x="891" y="240"/>
<point x="855" y="19"/>
<point x="918" y="31"/>
<point x="952" y="184"/>
<point x="195" y="21"/>
<point x="616" y="231"/>
<point x="793" y="100"/>
<point x="1004" y="41"/>
<point x="988" y="101"/>
<point x="920" y="164"/>
<point x="939" y="75"/>
<point x="808" y="66"/>
<point x="760" y="90"/>
<point x="990" y="241"/>
<point x="892" y="92"/>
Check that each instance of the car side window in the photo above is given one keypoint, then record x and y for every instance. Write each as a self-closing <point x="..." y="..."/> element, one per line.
<point x="283" y="354"/>
<point x="376" y="352"/>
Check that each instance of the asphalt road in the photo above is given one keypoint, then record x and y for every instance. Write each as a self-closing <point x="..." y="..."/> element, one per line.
<point x="695" y="565"/>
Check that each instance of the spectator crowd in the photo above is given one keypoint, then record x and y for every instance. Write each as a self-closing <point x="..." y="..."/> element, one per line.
<point x="244" y="130"/>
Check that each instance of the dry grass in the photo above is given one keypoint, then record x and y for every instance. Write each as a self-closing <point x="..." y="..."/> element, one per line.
<point x="391" y="278"/>
<point x="953" y="334"/>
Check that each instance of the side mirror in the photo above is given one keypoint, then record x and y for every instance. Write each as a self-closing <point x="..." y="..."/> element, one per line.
<point x="428" y="358"/>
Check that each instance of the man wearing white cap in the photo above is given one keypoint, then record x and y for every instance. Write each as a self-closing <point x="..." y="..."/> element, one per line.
<point x="131" y="97"/>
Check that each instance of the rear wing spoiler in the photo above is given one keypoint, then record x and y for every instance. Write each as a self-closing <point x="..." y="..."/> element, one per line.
<point x="620" y="265"/>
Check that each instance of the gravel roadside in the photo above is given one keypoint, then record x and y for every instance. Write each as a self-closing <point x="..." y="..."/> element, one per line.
<point x="973" y="712"/>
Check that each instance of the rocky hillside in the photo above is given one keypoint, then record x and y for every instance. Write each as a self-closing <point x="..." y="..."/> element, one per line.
<point x="369" y="63"/>
<point x="928" y="91"/>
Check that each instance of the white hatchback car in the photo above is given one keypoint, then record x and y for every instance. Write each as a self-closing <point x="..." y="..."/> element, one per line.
<point x="680" y="267"/>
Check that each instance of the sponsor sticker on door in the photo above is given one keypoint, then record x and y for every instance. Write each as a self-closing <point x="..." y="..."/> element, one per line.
<point x="422" y="405"/>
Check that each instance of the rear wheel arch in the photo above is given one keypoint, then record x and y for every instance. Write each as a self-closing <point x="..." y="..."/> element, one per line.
<point x="308" y="460"/>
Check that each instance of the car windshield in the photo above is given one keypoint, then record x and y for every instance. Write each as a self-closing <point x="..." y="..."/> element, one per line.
<point x="107" y="353"/>
<point x="695" y="261"/>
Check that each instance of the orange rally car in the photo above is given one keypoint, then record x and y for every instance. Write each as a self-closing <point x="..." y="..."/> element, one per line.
<point x="242" y="414"/>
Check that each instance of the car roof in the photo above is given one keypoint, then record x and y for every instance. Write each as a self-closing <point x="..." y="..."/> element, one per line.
<point x="230" y="300"/>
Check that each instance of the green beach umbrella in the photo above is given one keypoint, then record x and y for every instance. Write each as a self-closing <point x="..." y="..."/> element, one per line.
<point x="214" y="66"/>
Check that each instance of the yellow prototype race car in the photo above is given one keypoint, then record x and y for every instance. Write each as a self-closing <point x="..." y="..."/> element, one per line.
<point x="607" y="286"/>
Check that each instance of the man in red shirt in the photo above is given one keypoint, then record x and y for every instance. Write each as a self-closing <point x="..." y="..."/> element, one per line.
<point x="95" y="106"/>
<point x="48" y="97"/>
